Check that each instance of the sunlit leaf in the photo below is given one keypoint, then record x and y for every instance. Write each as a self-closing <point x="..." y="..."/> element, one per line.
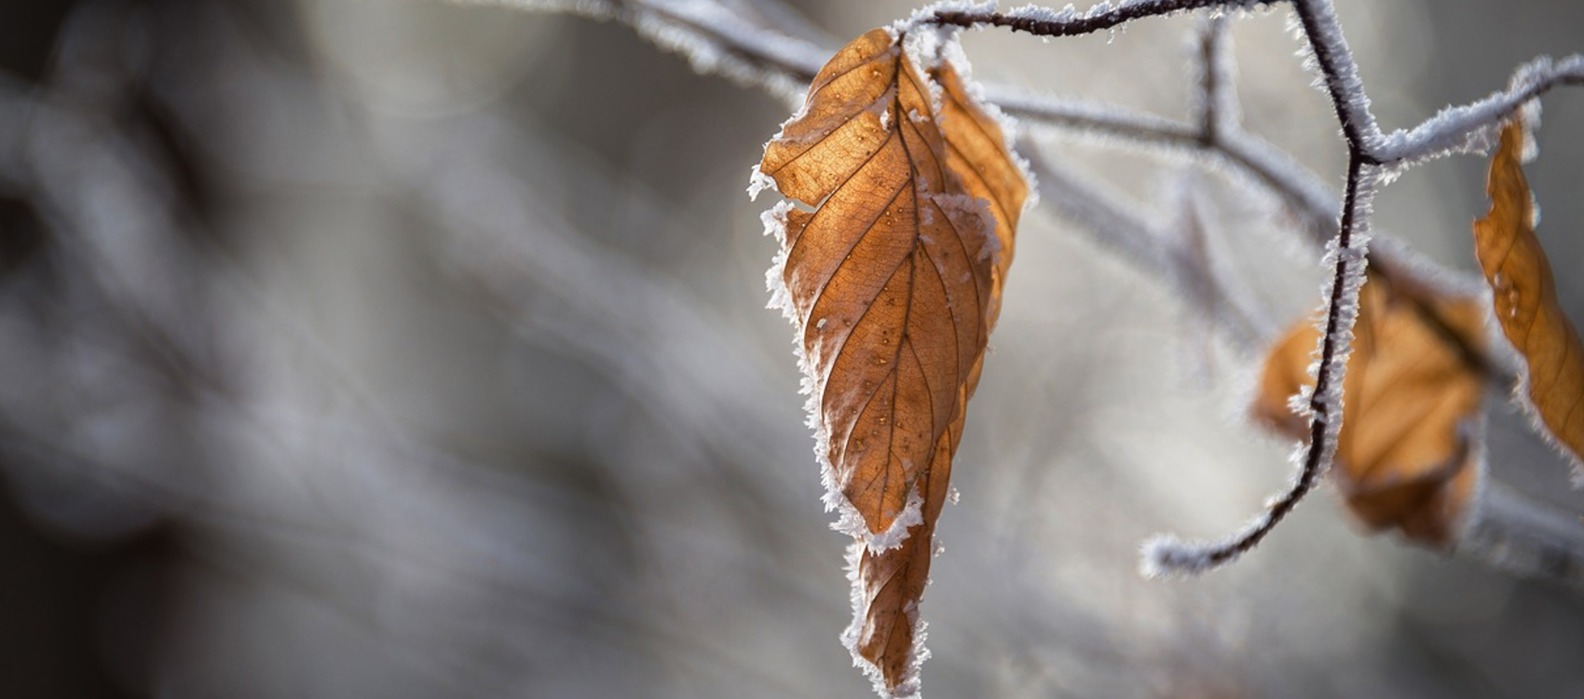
<point x="1411" y="402"/>
<point x="892" y="270"/>
<point x="886" y="629"/>
<point x="976" y="151"/>
<point x="1523" y="295"/>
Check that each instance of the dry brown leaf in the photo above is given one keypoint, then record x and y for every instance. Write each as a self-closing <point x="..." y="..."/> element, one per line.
<point x="1411" y="397"/>
<point x="1524" y="298"/>
<point x="891" y="277"/>
<point x="893" y="280"/>
<point x="976" y="152"/>
<point x="885" y="629"/>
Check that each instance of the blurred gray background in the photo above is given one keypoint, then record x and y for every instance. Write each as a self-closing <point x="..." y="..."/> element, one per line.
<point x="403" y="349"/>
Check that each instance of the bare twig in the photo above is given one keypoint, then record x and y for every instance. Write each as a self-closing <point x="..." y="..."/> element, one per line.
<point x="1069" y="22"/>
<point x="1166" y="555"/>
<point x="1334" y="62"/>
<point x="1215" y="103"/>
<point x="1459" y="129"/>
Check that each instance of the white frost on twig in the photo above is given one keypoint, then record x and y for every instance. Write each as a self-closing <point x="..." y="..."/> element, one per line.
<point x="1215" y="106"/>
<point x="1336" y="71"/>
<point x="1165" y="555"/>
<point x="1472" y="127"/>
<point x="1040" y="13"/>
<point x="924" y="16"/>
<point x="1349" y="262"/>
<point x="592" y="9"/>
<point x="715" y="40"/>
<point x="1346" y="258"/>
<point x="1084" y="115"/>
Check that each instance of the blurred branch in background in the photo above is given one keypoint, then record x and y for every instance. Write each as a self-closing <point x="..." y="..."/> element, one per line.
<point x="418" y="350"/>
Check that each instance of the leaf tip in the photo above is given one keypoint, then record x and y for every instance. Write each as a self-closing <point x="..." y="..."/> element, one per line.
<point x="896" y="679"/>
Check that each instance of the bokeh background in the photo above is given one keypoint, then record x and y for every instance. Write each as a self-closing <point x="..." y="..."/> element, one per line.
<point x="405" y="349"/>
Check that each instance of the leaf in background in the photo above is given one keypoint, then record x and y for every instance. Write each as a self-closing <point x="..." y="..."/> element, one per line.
<point x="893" y="281"/>
<point x="1410" y="401"/>
<point x="1523" y="294"/>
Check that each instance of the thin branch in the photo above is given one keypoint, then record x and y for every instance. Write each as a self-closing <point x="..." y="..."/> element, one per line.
<point x="1458" y="129"/>
<point x="1314" y="203"/>
<point x="1166" y="555"/>
<point x="1301" y="191"/>
<point x="713" y="39"/>
<point x="1336" y="66"/>
<point x="1215" y="103"/>
<point x="1067" y="22"/>
<point x="1097" y="117"/>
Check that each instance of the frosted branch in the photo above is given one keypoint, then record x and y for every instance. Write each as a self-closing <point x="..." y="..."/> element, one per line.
<point x="1301" y="191"/>
<point x="714" y="39"/>
<point x="1314" y="203"/>
<point x="1096" y="117"/>
<point x="1215" y="103"/>
<point x="1466" y="128"/>
<point x="1348" y="260"/>
<point x="1041" y="21"/>
<point x="1331" y="57"/>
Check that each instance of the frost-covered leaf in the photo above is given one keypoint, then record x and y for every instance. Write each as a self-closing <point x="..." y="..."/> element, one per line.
<point x="887" y="278"/>
<point x="1523" y="294"/>
<point x="887" y="630"/>
<point x="891" y="266"/>
<point x="1411" y="405"/>
<point x="976" y="151"/>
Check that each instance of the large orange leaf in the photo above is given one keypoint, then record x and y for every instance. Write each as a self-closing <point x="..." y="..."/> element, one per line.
<point x="1523" y="294"/>
<point x="1410" y="401"/>
<point x="891" y="269"/>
